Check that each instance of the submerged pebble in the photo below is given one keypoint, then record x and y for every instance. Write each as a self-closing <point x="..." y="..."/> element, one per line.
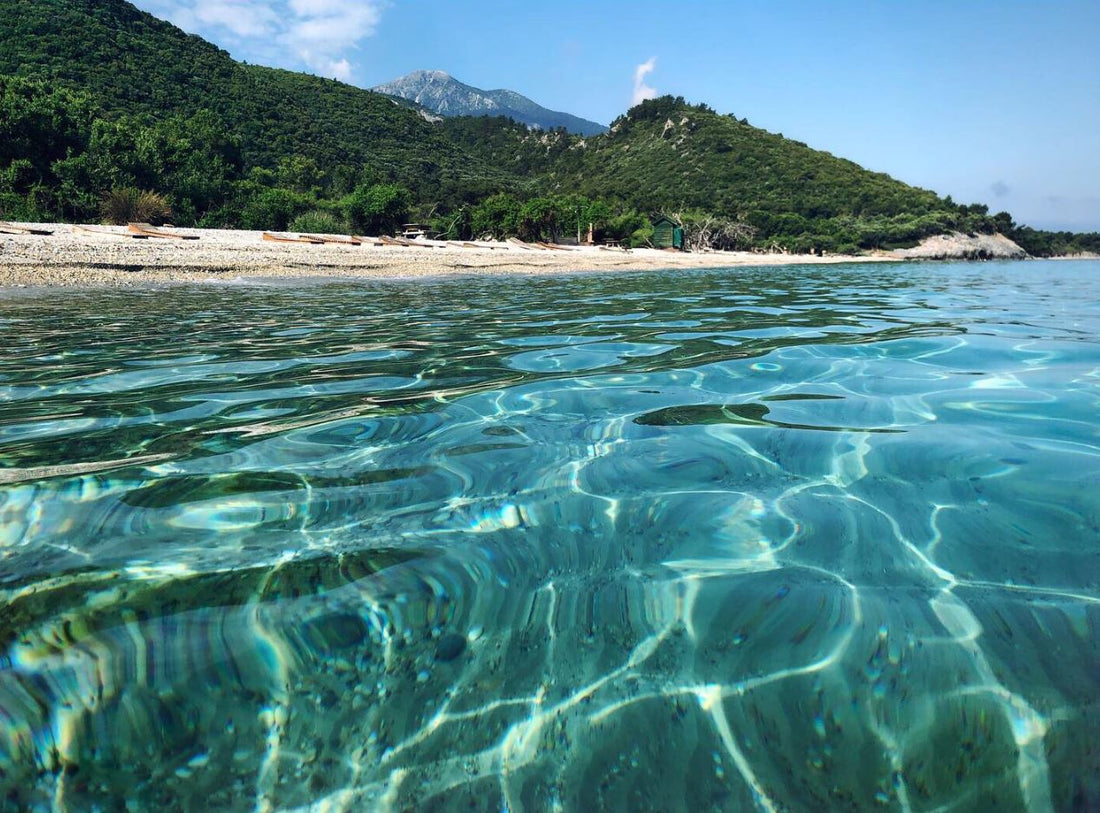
<point x="449" y="647"/>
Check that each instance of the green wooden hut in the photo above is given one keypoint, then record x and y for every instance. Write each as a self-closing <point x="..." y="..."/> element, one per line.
<point x="668" y="233"/>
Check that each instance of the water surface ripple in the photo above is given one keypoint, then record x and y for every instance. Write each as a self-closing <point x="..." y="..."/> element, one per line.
<point x="779" y="539"/>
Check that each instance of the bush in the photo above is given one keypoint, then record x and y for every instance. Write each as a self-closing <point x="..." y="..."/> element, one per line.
<point x="538" y="220"/>
<point x="641" y="238"/>
<point x="224" y="217"/>
<point x="128" y="205"/>
<point x="377" y="209"/>
<point x="274" y="209"/>
<point x="18" y="178"/>
<point x="624" y="227"/>
<point x="453" y="226"/>
<point x="318" y="222"/>
<point x="33" y="207"/>
<point x="496" y="217"/>
<point x="11" y="206"/>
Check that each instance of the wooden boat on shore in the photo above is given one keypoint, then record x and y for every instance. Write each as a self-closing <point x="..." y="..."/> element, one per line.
<point x="149" y="230"/>
<point x="11" y="228"/>
<point x="398" y="241"/>
<point x="282" y="238"/>
<point x="482" y="247"/>
<point x="105" y="232"/>
<point x="338" y="241"/>
<point x="525" y="246"/>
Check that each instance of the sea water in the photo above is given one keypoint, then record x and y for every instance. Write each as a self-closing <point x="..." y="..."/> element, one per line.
<point x="796" y="538"/>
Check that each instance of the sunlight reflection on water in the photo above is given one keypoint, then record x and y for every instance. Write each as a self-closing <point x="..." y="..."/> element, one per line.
<point x="797" y="538"/>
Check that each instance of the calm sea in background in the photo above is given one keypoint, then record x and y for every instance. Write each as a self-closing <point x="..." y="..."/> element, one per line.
<point x="790" y="538"/>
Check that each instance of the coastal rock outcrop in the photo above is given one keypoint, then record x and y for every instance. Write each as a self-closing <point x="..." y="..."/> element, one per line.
<point x="958" y="246"/>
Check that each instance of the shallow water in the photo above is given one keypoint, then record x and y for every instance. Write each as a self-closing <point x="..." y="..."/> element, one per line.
<point x="792" y="538"/>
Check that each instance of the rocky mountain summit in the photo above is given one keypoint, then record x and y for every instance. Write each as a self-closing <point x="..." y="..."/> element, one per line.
<point x="441" y="93"/>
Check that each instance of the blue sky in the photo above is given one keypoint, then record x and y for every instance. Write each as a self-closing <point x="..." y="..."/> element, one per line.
<point x="996" y="101"/>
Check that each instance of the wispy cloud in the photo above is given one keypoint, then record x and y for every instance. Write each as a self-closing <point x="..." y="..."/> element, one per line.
<point x="642" y="91"/>
<point x="316" y="34"/>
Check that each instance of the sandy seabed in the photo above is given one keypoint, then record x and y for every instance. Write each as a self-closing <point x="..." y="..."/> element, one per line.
<point x="109" y="257"/>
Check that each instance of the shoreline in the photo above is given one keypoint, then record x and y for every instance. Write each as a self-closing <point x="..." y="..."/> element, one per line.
<point x="110" y="258"/>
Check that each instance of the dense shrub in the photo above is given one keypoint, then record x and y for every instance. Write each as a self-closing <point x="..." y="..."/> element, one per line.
<point x="273" y="209"/>
<point x="632" y="228"/>
<point x="377" y="209"/>
<point x="318" y="222"/>
<point x="497" y="217"/>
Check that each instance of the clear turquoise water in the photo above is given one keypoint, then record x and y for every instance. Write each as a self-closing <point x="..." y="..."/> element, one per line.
<point x="784" y="539"/>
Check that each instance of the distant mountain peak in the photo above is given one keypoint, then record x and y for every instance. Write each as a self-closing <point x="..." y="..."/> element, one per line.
<point x="426" y="76"/>
<point x="439" y="92"/>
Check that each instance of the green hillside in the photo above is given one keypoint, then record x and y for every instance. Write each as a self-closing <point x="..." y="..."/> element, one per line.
<point x="100" y="101"/>
<point x="668" y="154"/>
<point x="131" y="63"/>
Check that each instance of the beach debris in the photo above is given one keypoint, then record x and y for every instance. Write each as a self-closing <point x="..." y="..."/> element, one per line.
<point x="149" y="230"/>
<point x="527" y="246"/>
<point x="11" y="228"/>
<point x="106" y="232"/>
<point x="282" y="238"/>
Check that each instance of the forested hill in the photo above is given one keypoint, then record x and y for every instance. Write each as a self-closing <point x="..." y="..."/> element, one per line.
<point x="667" y="155"/>
<point x="100" y="101"/>
<point x="131" y="63"/>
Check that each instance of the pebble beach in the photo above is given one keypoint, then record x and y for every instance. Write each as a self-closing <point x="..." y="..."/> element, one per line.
<point x="109" y="256"/>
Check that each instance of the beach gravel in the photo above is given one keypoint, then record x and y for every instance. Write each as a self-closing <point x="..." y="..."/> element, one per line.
<point x="73" y="258"/>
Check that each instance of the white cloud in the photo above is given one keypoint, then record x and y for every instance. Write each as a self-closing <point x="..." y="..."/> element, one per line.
<point x="642" y="91"/>
<point x="316" y="34"/>
<point x="324" y="66"/>
<point x="241" y="17"/>
<point x="322" y="26"/>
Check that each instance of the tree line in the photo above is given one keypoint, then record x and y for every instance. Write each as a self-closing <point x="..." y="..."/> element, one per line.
<point x="62" y="160"/>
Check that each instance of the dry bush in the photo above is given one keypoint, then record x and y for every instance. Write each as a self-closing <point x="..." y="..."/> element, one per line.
<point x="128" y="205"/>
<point x="710" y="233"/>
